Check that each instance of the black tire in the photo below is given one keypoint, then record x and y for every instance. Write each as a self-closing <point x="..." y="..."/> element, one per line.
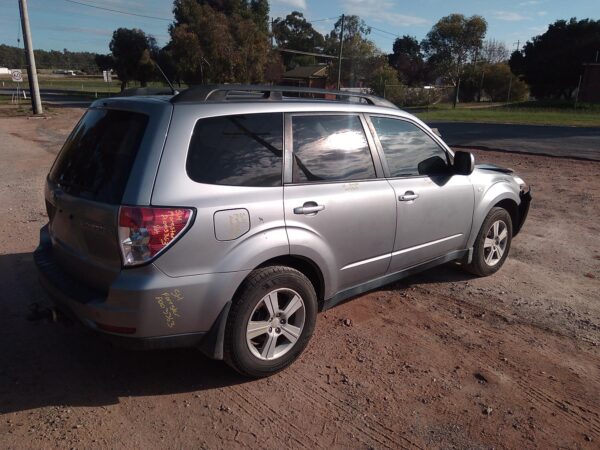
<point x="237" y="350"/>
<point x="479" y="265"/>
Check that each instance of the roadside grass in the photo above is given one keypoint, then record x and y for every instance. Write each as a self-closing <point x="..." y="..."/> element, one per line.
<point x="87" y="86"/>
<point x="527" y="113"/>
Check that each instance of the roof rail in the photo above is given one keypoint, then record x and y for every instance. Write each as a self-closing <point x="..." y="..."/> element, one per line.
<point x="224" y="92"/>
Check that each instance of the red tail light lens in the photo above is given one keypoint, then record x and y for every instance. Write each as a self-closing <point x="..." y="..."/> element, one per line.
<point x="145" y="232"/>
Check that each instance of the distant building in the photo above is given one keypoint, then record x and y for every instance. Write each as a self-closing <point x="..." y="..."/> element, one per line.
<point x="590" y="84"/>
<point x="314" y="76"/>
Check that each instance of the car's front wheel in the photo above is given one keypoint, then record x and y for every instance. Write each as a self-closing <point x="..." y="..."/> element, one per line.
<point x="270" y="322"/>
<point x="492" y="244"/>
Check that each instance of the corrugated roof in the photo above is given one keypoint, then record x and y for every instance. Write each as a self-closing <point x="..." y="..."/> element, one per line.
<point x="314" y="71"/>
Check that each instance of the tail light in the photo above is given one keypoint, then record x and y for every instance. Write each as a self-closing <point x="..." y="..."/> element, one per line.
<point x="145" y="232"/>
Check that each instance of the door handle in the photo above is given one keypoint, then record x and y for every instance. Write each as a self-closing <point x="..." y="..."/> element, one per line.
<point x="408" y="196"/>
<point x="309" y="208"/>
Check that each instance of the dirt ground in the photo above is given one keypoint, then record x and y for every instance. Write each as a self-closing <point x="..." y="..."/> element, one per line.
<point x="440" y="360"/>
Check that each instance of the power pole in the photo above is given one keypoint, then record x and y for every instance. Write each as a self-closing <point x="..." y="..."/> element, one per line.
<point x="272" y="33"/>
<point x="511" y="76"/>
<point x="339" y="80"/>
<point x="34" y="88"/>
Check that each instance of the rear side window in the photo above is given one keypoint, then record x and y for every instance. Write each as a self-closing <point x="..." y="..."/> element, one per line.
<point x="409" y="151"/>
<point x="330" y="148"/>
<point x="96" y="159"/>
<point x="240" y="150"/>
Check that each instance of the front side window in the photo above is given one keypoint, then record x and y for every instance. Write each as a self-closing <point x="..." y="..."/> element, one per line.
<point x="408" y="150"/>
<point x="330" y="148"/>
<point x="240" y="150"/>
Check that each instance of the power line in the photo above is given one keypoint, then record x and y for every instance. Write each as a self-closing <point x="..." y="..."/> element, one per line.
<point x="118" y="11"/>
<point x="384" y="31"/>
<point x="382" y="36"/>
<point x="323" y="20"/>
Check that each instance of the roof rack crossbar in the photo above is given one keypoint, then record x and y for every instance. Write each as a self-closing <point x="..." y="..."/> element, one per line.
<point x="273" y="93"/>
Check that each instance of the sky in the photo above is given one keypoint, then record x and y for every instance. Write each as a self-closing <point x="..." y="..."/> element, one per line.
<point x="59" y="24"/>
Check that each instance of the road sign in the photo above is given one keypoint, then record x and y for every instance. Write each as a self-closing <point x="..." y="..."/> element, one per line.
<point x="16" y="75"/>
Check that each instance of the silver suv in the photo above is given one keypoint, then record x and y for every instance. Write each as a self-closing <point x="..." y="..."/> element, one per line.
<point x="226" y="217"/>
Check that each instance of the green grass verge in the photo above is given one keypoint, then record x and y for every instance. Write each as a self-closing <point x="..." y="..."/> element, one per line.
<point x="529" y="113"/>
<point x="88" y="86"/>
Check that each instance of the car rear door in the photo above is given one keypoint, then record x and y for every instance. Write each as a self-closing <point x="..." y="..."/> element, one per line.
<point x="339" y="210"/>
<point x="435" y="206"/>
<point x="102" y="165"/>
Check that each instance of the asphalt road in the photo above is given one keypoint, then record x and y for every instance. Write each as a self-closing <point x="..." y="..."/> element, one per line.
<point x="570" y="142"/>
<point x="55" y="97"/>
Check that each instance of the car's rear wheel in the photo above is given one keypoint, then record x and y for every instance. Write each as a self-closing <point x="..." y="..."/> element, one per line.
<point x="492" y="244"/>
<point x="270" y="322"/>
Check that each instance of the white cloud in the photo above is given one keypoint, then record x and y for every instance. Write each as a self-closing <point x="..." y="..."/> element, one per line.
<point x="542" y="13"/>
<point x="530" y="2"/>
<point x="297" y="4"/>
<point x="384" y="11"/>
<point x="508" y="16"/>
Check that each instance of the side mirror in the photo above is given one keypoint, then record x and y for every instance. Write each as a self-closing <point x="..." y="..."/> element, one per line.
<point x="464" y="163"/>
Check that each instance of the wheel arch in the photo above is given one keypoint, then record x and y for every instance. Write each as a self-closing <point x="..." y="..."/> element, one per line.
<point x="304" y="265"/>
<point x="513" y="210"/>
<point x="497" y="196"/>
<point x="212" y="345"/>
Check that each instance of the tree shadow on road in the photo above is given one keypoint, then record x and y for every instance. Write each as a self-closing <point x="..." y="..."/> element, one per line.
<point x="46" y="364"/>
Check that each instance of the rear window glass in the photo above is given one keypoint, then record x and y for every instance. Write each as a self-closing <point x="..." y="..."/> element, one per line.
<point x="239" y="150"/>
<point x="96" y="159"/>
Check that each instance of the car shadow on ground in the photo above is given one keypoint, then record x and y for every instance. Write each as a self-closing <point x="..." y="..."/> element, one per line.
<point x="43" y="363"/>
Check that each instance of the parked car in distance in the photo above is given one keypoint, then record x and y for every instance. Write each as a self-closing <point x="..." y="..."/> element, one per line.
<point x="226" y="217"/>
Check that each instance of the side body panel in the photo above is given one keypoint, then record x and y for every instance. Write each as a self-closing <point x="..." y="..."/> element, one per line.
<point x="203" y="249"/>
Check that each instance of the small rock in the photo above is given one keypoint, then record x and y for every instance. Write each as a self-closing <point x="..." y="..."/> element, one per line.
<point x="587" y="437"/>
<point x="487" y="410"/>
<point x="348" y="322"/>
<point x="224" y="408"/>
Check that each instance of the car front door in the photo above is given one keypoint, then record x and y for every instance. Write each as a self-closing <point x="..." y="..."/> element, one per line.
<point x="338" y="211"/>
<point x="434" y="206"/>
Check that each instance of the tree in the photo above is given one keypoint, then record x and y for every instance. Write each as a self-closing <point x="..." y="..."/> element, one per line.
<point x="384" y="80"/>
<point x="132" y="50"/>
<point x="453" y="42"/>
<point x="493" y="52"/>
<point x="551" y="63"/>
<point x="296" y="33"/>
<point x="104" y="62"/>
<point x="499" y="79"/>
<point x="167" y="63"/>
<point x="358" y="51"/>
<point x="219" y="41"/>
<point x="493" y="81"/>
<point x="407" y="59"/>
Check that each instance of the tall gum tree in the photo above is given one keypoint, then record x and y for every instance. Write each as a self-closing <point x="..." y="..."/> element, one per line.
<point x="452" y="43"/>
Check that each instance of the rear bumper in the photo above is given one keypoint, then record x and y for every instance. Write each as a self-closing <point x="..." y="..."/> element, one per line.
<point x="143" y="307"/>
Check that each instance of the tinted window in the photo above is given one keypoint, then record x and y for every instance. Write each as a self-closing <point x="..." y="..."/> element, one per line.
<point x="408" y="150"/>
<point x="242" y="150"/>
<point x="96" y="159"/>
<point x="329" y="148"/>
